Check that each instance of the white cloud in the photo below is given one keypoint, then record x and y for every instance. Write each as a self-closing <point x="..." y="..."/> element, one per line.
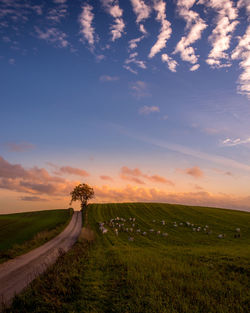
<point x="224" y="161"/>
<point x="139" y="89"/>
<point x="244" y="4"/>
<point x="194" y="67"/>
<point x="38" y="9"/>
<point x="165" y="31"/>
<point x="235" y="142"/>
<point x="145" y="110"/>
<point x="132" y="59"/>
<point x="60" y="1"/>
<point x="100" y="57"/>
<point x="117" y="29"/>
<point x="194" y="27"/>
<point x="54" y="36"/>
<point x="12" y="61"/>
<point x="242" y="52"/>
<point x="133" y="55"/>
<point x="112" y="7"/>
<point x="107" y="78"/>
<point x="142" y="12"/>
<point x="86" y="19"/>
<point x="58" y="13"/>
<point x="17" y="11"/>
<point x="6" y="39"/>
<point x="128" y="68"/>
<point x="133" y="43"/>
<point x="142" y="29"/>
<point x="170" y="62"/>
<point x="221" y="35"/>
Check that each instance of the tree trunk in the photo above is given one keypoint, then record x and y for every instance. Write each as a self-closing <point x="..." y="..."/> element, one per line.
<point x="83" y="205"/>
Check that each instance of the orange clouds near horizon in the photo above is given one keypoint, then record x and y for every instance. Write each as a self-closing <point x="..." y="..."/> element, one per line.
<point x="32" y="181"/>
<point x="38" y="187"/>
<point x="198" y="198"/>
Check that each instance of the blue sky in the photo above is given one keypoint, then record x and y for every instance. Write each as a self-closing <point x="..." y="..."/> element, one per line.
<point x="102" y="86"/>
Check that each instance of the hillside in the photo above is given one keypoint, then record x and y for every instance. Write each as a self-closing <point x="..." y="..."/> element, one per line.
<point x="22" y="232"/>
<point x="190" y="259"/>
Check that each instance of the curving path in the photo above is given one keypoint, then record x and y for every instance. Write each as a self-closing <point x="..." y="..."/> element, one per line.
<point x="16" y="274"/>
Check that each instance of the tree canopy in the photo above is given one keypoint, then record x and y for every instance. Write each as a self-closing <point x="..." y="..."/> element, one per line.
<point x="82" y="193"/>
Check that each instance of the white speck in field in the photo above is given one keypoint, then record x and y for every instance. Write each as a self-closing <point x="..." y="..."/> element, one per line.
<point x="104" y="230"/>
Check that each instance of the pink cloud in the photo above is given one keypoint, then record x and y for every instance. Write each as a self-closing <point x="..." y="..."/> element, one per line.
<point x="105" y="177"/>
<point x="73" y="171"/>
<point x="194" y="171"/>
<point x="8" y="170"/>
<point x="68" y="170"/>
<point x="160" y="179"/>
<point x="227" y="173"/>
<point x="35" y="180"/>
<point x="197" y="187"/>
<point x="133" y="174"/>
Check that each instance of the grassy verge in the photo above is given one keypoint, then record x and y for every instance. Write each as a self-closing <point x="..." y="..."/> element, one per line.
<point x="187" y="271"/>
<point x="22" y="232"/>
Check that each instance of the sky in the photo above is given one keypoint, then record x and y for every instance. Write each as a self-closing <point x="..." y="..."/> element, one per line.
<point x="143" y="100"/>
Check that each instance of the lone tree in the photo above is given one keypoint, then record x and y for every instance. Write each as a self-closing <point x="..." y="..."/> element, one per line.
<point x="83" y="193"/>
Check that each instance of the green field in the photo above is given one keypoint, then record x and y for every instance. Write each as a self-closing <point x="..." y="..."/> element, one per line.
<point x="187" y="271"/>
<point x="22" y="232"/>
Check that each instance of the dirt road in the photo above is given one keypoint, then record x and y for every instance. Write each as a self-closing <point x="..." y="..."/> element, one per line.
<point x="16" y="274"/>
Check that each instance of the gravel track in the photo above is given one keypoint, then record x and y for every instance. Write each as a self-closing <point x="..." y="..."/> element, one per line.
<point x="18" y="273"/>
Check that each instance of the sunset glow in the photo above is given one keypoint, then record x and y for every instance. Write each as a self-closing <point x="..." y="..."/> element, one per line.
<point x="144" y="100"/>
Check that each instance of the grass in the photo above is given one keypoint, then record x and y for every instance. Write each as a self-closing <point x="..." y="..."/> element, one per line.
<point x="22" y="232"/>
<point x="186" y="271"/>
